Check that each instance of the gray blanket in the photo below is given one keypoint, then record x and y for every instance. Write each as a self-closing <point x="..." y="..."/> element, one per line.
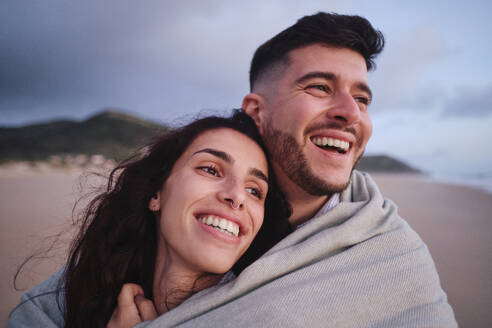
<point x="359" y="265"/>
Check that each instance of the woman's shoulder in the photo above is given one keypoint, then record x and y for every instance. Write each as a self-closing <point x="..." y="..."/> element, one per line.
<point x="42" y="306"/>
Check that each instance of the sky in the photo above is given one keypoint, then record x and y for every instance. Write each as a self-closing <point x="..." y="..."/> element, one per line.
<point x="169" y="60"/>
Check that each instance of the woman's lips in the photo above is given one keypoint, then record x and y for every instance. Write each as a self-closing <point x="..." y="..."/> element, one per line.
<point x="222" y="224"/>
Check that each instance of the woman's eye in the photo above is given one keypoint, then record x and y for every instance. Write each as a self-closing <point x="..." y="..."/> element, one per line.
<point x="210" y="170"/>
<point x="255" y="192"/>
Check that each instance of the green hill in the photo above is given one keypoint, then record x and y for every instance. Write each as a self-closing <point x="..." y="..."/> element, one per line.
<point x="113" y="134"/>
<point x="383" y="163"/>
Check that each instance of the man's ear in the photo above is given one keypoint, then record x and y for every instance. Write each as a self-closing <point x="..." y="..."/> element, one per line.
<point x="155" y="202"/>
<point x="253" y="105"/>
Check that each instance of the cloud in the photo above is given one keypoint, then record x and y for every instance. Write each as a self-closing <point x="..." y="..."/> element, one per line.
<point x="162" y="59"/>
<point x="452" y="146"/>
<point x="399" y="80"/>
<point x="89" y="55"/>
<point x="472" y="102"/>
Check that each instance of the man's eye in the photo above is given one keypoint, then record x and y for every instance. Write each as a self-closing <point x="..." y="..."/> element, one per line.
<point x="320" y="87"/>
<point x="255" y="192"/>
<point x="318" y="90"/>
<point x="363" y="100"/>
<point x="210" y="170"/>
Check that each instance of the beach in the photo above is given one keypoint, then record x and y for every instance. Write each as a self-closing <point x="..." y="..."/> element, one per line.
<point x="456" y="224"/>
<point x="454" y="221"/>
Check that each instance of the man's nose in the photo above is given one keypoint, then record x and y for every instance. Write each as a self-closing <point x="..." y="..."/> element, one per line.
<point x="344" y="109"/>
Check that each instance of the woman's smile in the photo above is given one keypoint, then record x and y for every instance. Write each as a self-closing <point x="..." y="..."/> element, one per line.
<point x="222" y="224"/>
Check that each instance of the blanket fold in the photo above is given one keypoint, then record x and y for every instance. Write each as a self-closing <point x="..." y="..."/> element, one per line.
<point x="359" y="265"/>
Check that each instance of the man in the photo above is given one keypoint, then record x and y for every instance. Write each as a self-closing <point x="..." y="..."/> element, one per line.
<point x="310" y="99"/>
<point x="352" y="261"/>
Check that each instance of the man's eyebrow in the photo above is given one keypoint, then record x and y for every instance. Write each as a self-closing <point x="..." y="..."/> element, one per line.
<point x="314" y="75"/>
<point x="257" y="173"/>
<point x="217" y="153"/>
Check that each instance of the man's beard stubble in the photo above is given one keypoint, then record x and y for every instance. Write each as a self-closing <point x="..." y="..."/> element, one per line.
<point x="287" y="153"/>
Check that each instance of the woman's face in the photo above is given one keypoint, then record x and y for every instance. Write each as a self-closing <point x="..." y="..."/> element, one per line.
<point x="199" y="230"/>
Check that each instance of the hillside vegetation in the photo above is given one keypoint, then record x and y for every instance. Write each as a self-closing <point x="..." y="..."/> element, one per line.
<point x="114" y="135"/>
<point x="384" y="164"/>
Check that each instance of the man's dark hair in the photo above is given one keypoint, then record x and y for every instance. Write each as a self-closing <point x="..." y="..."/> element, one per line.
<point x="340" y="31"/>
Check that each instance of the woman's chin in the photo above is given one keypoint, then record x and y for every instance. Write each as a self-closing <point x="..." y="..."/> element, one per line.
<point x="219" y="267"/>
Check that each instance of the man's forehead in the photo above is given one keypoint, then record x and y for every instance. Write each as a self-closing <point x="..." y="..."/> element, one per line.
<point x="313" y="58"/>
<point x="322" y="56"/>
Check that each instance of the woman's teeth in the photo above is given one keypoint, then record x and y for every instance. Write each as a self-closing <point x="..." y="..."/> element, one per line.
<point x="221" y="224"/>
<point x="340" y="145"/>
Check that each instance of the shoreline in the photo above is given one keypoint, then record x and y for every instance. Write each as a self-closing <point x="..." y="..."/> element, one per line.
<point x="483" y="184"/>
<point x="33" y="169"/>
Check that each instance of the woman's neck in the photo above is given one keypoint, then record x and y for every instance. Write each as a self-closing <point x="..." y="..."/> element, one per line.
<point x="173" y="284"/>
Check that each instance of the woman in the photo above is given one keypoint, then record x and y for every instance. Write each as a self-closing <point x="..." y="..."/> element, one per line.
<point x="173" y="221"/>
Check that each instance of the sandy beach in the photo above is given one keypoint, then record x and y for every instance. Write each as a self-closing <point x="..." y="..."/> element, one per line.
<point x="454" y="221"/>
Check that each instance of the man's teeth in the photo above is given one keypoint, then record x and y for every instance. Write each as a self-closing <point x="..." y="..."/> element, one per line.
<point x="221" y="224"/>
<point x="324" y="141"/>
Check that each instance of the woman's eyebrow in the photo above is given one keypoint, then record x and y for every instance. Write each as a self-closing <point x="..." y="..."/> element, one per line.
<point x="228" y="158"/>
<point x="217" y="153"/>
<point x="257" y="173"/>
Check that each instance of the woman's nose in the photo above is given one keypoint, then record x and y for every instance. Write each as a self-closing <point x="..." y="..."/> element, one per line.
<point x="232" y="196"/>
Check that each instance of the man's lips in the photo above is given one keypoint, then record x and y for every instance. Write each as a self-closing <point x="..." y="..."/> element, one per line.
<point x="334" y="140"/>
<point x="332" y="136"/>
<point x="339" y="145"/>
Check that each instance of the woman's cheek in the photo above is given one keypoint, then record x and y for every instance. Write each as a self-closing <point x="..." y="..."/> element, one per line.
<point x="258" y="218"/>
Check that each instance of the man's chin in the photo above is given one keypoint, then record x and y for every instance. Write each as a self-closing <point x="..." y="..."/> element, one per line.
<point x="321" y="180"/>
<point x="328" y="189"/>
<point x="322" y="186"/>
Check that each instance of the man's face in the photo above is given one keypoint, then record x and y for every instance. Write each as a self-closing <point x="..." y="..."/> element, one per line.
<point x="314" y="117"/>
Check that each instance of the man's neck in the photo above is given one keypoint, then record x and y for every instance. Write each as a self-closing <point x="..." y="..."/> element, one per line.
<point x="304" y="206"/>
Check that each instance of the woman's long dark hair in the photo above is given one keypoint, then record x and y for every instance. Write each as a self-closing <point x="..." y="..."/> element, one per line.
<point x="117" y="240"/>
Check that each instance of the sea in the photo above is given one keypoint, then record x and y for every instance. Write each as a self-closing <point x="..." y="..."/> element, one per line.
<point x="478" y="181"/>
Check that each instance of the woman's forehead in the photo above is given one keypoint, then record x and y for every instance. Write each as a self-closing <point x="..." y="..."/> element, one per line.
<point x="236" y="144"/>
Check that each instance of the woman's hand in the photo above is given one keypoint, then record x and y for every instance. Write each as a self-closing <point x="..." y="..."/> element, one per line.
<point x="132" y="309"/>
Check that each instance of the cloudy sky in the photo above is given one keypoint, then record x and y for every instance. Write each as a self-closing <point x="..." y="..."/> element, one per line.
<point x="166" y="61"/>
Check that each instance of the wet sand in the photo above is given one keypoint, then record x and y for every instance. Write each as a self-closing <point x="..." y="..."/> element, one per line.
<point x="35" y="207"/>
<point x="454" y="221"/>
<point x="456" y="224"/>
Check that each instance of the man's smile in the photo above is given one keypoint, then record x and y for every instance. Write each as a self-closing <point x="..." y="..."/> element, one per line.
<point x="339" y="145"/>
